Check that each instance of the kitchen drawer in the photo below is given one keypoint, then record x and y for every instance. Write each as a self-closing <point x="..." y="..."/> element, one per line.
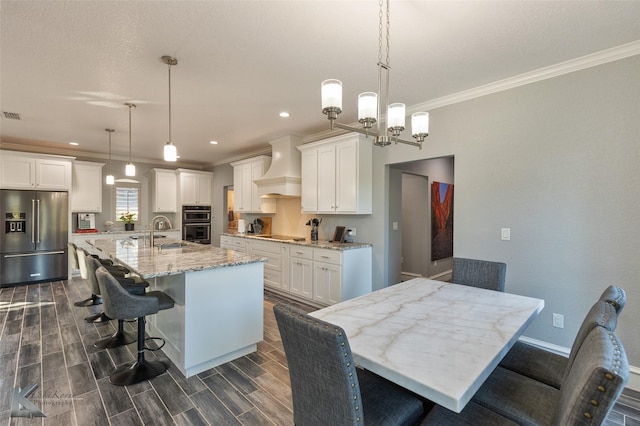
<point x="301" y="252"/>
<point x="328" y="256"/>
<point x="265" y="246"/>
<point x="231" y="243"/>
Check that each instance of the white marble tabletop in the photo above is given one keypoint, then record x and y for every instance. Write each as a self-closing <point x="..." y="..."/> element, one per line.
<point x="153" y="262"/>
<point x="437" y="339"/>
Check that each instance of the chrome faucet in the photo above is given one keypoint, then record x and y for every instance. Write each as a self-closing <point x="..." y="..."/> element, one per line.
<point x="153" y="221"/>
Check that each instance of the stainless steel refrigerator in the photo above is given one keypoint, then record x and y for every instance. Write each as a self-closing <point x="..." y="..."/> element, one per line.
<point x="33" y="236"/>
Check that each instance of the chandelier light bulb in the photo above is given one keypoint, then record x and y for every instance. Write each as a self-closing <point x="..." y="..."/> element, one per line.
<point x="368" y="107"/>
<point x="395" y="116"/>
<point x="420" y="124"/>
<point x="331" y="94"/>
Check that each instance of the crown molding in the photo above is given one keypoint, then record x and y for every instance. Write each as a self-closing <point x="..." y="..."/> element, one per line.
<point x="577" y="64"/>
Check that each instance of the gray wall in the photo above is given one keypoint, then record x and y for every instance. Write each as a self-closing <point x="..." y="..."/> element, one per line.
<point x="556" y="161"/>
<point x="222" y="176"/>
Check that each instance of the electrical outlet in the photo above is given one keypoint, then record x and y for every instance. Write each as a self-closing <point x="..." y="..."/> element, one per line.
<point x="558" y="320"/>
<point x="353" y="232"/>
<point x="395" y="226"/>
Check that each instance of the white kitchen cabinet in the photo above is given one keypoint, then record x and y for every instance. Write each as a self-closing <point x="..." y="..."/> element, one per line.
<point x="276" y="266"/>
<point x="318" y="276"/>
<point x="301" y="271"/>
<point x="231" y="243"/>
<point x="195" y="187"/>
<point x="309" y="184"/>
<point x="327" y="276"/>
<point x="35" y="171"/>
<point x="246" y="198"/>
<point x="337" y="175"/>
<point x="86" y="193"/>
<point x="164" y="191"/>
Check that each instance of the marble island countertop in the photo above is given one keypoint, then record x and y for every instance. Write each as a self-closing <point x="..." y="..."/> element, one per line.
<point x="300" y="241"/>
<point x="169" y="256"/>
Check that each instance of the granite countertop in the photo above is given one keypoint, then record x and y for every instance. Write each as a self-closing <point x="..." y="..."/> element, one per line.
<point x="156" y="262"/>
<point x="300" y="241"/>
<point x="122" y="231"/>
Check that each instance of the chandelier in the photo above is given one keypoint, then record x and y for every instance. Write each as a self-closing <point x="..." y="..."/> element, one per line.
<point x="369" y="103"/>
<point x="170" y="151"/>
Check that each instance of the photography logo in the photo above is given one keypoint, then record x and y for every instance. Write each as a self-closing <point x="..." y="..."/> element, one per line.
<point x="20" y="404"/>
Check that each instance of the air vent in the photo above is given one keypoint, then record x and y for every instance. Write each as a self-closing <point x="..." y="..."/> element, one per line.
<point x="11" y="115"/>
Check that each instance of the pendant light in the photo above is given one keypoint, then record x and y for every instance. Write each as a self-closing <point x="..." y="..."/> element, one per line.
<point x="110" y="178"/>
<point x="130" y="169"/>
<point x="170" y="151"/>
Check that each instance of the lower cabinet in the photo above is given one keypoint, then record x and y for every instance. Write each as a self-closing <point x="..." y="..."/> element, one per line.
<point x="319" y="276"/>
<point x="301" y="271"/>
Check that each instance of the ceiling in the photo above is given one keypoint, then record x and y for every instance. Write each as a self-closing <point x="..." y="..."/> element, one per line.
<point x="67" y="67"/>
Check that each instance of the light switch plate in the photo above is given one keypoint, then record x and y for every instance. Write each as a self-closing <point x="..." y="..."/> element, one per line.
<point x="505" y="234"/>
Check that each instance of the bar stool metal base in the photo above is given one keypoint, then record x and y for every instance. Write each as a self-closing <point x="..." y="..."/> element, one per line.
<point x="139" y="371"/>
<point x="99" y="317"/>
<point x="119" y="338"/>
<point x="91" y="301"/>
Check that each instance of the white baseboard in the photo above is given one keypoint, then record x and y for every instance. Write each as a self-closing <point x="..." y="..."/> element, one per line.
<point x="634" y="372"/>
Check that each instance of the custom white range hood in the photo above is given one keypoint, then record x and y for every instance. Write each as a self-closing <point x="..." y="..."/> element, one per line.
<point x="282" y="180"/>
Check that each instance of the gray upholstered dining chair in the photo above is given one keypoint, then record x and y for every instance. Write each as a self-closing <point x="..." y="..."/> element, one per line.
<point x="120" y="304"/>
<point x="616" y="296"/>
<point x="79" y="258"/>
<point x="479" y="273"/>
<point x="326" y="386"/>
<point x="588" y="392"/>
<point x="548" y="367"/>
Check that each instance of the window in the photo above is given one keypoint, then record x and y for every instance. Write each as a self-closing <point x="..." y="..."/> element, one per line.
<point x="127" y="200"/>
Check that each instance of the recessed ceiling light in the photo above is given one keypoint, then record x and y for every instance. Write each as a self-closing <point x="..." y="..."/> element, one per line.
<point x="213" y="142"/>
<point x="284" y="114"/>
<point x="74" y="143"/>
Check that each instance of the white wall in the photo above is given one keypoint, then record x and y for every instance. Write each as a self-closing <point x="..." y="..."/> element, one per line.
<point x="558" y="162"/>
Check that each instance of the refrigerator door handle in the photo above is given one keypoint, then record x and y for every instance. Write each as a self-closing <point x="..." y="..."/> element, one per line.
<point x="38" y="219"/>
<point x="7" y="256"/>
<point x="33" y="221"/>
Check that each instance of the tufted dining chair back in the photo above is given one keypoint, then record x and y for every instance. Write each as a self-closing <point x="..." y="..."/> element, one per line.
<point x="479" y="273"/>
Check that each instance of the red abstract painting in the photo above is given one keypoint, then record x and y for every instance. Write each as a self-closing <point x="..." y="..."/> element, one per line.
<point x="441" y="220"/>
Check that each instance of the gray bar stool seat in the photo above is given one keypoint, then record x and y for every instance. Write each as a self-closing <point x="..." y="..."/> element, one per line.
<point x="120" y="304"/>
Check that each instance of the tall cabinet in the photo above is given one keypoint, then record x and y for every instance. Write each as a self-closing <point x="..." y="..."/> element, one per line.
<point x="337" y="175"/>
<point x="87" y="187"/>
<point x="245" y="192"/>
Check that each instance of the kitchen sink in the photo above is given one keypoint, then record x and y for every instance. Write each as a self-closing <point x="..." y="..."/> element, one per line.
<point x="170" y="245"/>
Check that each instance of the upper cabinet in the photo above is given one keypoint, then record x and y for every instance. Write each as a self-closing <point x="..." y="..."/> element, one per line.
<point x="164" y="191"/>
<point x="245" y="192"/>
<point x="195" y="187"/>
<point x="34" y="171"/>
<point x="86" y="195"/>
<point x="336" y="175"/>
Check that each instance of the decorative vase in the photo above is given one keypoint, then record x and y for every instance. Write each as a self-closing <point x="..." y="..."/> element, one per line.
<point x="128" y="226"/>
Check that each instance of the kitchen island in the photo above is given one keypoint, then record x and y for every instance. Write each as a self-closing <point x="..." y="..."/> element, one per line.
<point x="218" y="294"/>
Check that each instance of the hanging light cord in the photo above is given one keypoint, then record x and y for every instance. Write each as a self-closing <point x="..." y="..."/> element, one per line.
<point x="170" y="103"/>
<point x="110" y="131"/>
<point x="130" y="133"/>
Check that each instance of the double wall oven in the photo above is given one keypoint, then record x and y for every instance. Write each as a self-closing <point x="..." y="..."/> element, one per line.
<point x="196" y="224"/>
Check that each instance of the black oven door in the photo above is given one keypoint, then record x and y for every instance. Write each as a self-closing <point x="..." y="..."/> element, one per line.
<point x="197" y="232"/>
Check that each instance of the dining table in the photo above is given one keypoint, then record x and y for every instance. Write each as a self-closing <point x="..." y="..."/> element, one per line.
<point x="437" y="339"/>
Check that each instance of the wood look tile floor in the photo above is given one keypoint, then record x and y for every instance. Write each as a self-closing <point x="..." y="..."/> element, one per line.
<point x="45" y="341"/>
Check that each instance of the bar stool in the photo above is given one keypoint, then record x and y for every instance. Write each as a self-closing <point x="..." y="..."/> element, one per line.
<point x="78" y="257"/>
<point x="120" y="304"/>
<point x="92" y="264"/>
<point x="120" y="337"/>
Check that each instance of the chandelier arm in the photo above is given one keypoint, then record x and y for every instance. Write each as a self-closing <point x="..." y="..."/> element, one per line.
<point x="367" y="133"/>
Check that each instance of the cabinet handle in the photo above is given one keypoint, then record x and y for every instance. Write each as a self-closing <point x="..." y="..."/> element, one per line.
<point x="325" y="257"/>
<point x="299" y="252"/>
